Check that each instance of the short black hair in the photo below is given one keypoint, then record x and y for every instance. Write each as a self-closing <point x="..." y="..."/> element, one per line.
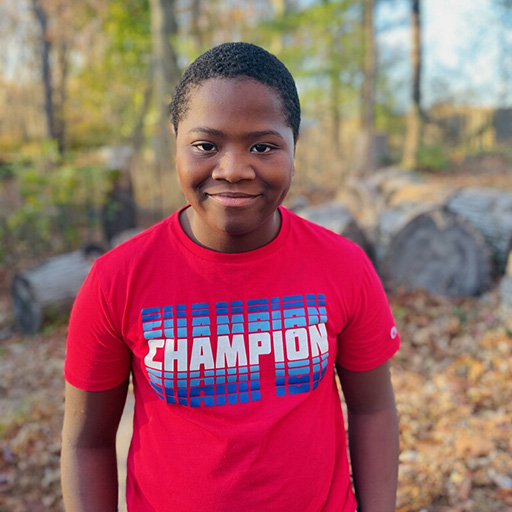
<point x="239" y="60"/>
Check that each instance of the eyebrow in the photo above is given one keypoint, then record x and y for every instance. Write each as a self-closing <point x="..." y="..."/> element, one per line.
<point x="219" y="133"/>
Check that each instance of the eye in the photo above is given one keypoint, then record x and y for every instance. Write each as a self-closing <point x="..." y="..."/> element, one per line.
<point x="262" y="148"/>
<point x="205" y="147"/>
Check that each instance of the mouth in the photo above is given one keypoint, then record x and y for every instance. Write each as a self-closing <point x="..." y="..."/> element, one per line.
<point x="233" y="199"/>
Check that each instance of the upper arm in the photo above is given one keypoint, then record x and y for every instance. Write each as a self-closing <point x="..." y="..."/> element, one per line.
<point x="369" y="336"/>
<point x="91" y="418"/>
<point x="367" y="392"/>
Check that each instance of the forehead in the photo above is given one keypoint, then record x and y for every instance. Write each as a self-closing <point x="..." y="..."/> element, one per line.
<point x="234" y="97"/>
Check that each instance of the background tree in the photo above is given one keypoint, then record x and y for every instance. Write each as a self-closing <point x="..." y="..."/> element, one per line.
<point x="61" y="24"/>
<point x="366" y="161"/>
<point x="325" y="55"/>
<point x="45" y="46"/>
<point x="281" y="9"/>
<point x="165" y="77"/>
<point x="504" y="34"/>
<point x="109" y="85"/>
<point x="415" y="116"/>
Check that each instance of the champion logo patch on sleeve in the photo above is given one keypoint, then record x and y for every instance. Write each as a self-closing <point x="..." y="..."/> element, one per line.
<point x="394" y="332"/>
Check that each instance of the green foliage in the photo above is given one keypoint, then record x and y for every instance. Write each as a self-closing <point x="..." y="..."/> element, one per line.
<point x="128" y="28"/>
<point x="54" y="209"/>
<point x="433" y="158"/>
<point x="461" y="314"/>
<point x="54" y="317"/>
<point x="324" y="52"/>
<point x="106" y="97"/>
<point x="7" y="171"/>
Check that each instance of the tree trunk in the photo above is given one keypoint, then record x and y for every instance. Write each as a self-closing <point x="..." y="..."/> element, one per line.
<point x="165" y="78"/>
<point x="137" y="136"/>
<point x="366" y="161"/>
<point x="504" y="29"/>
<point x="336" y="116"/>
<point x="46" y="70"/>
<point x="196" y="29"/>
<point x="414" y="118"/>
<point x="335" y="86"/>
<point x="60" y="108"/>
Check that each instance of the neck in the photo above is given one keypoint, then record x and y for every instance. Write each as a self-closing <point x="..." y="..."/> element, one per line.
<point x="229" y="243"/>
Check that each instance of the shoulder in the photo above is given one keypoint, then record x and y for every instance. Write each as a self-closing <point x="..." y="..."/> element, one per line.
<point x="135" y="257"/>
<point x="321" y="238"/>
<point x="139" y="246"/>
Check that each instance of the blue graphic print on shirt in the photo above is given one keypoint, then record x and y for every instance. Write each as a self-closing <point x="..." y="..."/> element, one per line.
<point x="210" y="356"/>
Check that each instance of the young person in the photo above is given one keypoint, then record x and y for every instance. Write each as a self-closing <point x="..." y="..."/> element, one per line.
<point x="232" y="317"/>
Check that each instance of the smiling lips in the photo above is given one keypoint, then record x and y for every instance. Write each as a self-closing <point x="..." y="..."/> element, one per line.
<point x="233" y="199"/>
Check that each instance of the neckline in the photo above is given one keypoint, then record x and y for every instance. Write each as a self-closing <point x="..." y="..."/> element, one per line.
<point x="209" y="254"/>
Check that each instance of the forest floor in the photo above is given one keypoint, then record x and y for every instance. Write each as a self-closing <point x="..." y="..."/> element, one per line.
<point x="453" y="384"/>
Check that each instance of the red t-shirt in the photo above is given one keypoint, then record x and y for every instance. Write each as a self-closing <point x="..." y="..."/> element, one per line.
<point x="233" y="359"/>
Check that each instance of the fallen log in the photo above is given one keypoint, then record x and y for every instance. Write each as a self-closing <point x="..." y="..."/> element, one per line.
<point x="489" y="211"/>
<point x="393" y="191"/>
<point x="434" y="250"/>
<point x="391" y="188"/>
<point x="52" y="285"/>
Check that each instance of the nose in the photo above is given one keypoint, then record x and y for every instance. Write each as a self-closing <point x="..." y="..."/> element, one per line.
<point x="233" y="166"/>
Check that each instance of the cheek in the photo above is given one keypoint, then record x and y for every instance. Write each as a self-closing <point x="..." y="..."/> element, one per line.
<point x="187" y="171"/>
<point x="287" y="177"/>
<point x="286" y="187"/>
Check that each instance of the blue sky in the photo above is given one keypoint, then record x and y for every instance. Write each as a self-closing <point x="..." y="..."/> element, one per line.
<point x="461" y="42"/>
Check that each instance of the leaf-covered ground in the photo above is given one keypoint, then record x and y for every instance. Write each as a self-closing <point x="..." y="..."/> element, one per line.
<point x="453" y="381"/>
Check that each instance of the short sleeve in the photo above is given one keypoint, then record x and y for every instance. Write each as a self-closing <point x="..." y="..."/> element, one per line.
<point x="97" y="359"/>
<point x="370" y="337"/>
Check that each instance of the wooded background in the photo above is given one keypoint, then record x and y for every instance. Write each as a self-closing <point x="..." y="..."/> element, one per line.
<point x="84" y="88"/>
<point x="415" y="166"/>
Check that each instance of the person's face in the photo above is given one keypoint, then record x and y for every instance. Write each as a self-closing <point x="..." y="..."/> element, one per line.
<point x="235" y="161"/>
